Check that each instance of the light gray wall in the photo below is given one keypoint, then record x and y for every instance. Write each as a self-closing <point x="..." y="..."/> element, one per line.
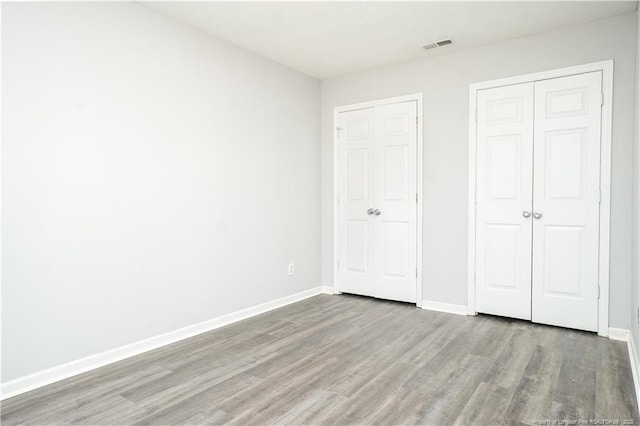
<point x="635" y="294"/>
<point x="444" y="81"/>
<point x="153" y="178"/>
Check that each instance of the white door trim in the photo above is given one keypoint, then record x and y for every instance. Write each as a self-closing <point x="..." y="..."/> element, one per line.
<point x="336" y="170"/>
<point x="605" y="176"/>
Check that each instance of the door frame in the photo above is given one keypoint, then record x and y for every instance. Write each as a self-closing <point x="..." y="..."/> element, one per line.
<point x="417" y="97"/>
<point x="605" y="176"/>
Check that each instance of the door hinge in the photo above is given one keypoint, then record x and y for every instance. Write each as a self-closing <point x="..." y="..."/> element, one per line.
<point x="475" y="112"/>
<point x="598" y="292"/>
<point x="599" y="197"/>
<point x="338" y="264"/>
<point x="338" y="129"/>
<point x="416" y="121"/>
<point x="601" y="98"/>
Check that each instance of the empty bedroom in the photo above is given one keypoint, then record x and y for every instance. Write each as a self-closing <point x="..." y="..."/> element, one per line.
<point x="320" y="212"/>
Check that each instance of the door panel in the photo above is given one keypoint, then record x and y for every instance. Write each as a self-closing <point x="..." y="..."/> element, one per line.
<point x="357" y="174"/>
<point x="563" y="279"/>
<point x="395" y="173"/>
<point x="503" y="255"/>
<point x="396" y="185"/>
<point x="503" y="159"/>
<point x="504" y="178"/>
<point x="566" y="194"/>
<point x="565" y="163"/>
<point x="356" y="151"/>
<point x="396" y="250"/>
<point x="357" y="255"/>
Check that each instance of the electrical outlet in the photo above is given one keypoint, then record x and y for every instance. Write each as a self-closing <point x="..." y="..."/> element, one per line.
<point x="291" y="269"/>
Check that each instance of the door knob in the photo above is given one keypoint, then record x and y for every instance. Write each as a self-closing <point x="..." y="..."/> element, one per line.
<point x="370" y="212"/>
<point x="377" y="212"/>
<point x="537" y="215"/>
<point x="526" y="214"/>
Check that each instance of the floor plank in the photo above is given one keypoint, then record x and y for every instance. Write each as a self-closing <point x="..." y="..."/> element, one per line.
<point x="351" y="360"/>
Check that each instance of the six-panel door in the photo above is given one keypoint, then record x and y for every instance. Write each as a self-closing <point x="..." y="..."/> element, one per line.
<point x="538" y="200"/>
<point x="377" y="201"/>
<point x="357" y="195"/>
<point x="395" y="202"/>
<point x="566" y="187"/>
<point x="503" y="200"/>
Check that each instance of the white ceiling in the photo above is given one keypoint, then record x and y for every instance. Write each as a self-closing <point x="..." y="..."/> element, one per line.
<point x="328" y="39"/>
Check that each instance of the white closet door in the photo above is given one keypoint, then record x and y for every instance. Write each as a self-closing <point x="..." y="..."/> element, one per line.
<point x="566" y="201"/>
<point x="395" y="201"/>
<point x="357" y="157"/>
<point x="503" y="197"/>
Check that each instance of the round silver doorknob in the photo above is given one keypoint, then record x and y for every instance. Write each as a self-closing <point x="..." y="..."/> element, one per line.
<point x="526" y="214"/>
<point x="377" y="212"/>
<point x="370" y="211"/>
<point x="537" y="215"/>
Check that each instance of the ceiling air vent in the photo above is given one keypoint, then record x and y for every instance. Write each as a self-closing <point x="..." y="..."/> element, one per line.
<point x="436" y="44"/>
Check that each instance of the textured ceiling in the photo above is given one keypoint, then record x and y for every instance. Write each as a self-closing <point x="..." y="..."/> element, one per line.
<point x="328" y="39"/>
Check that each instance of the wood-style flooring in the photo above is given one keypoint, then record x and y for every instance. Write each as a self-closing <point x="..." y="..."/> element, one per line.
<point x="347" y="360"/>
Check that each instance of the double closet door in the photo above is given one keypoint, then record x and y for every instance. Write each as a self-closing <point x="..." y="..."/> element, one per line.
<point x="538" y="200"/>
<point x="377" y="201"/>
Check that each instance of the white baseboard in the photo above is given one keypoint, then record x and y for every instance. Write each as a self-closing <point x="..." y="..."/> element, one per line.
<point x="625" y="335"/>
<point x="619" y="334"/>
<point x="64" y="371"/>
<point x="444" y="307"/>
<point x="634" y="360"/>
